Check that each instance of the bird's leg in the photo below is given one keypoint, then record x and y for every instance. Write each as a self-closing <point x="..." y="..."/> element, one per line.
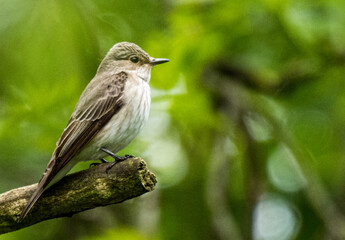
<point x="95" y="164"/>
<point x="116" y="158"/>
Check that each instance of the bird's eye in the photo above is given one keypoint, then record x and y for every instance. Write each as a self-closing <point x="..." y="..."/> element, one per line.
<point x="134" y="59"/>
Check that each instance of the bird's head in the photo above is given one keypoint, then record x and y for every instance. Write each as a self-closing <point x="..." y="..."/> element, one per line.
<point x="127" y="56"/>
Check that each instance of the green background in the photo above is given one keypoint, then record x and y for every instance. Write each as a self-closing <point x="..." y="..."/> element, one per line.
<point x="247" y="126"/>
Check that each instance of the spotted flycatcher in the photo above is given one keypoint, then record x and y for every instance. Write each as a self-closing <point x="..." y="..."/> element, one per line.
<point x="108" y="116"/>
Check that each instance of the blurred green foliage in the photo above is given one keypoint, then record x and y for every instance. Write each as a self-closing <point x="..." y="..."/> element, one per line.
<point x="247" y="123"/>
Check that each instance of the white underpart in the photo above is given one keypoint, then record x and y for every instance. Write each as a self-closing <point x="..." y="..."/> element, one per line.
<point x="125" y="125"/>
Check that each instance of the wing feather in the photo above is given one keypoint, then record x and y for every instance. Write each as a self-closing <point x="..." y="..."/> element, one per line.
<point x="90" y="117"/>
<point x="100" y="100"/>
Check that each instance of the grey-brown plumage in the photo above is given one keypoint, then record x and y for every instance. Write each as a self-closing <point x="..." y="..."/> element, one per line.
<point x="109" y="114"/>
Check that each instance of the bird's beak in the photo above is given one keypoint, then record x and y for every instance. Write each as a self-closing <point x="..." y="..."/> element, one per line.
<point x="156" y="61"/>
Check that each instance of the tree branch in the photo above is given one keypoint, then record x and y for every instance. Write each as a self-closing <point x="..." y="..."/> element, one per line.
<point x="77" y="192"/>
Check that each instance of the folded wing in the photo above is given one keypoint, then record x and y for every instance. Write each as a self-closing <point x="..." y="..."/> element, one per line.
<point x="100" y="101"/>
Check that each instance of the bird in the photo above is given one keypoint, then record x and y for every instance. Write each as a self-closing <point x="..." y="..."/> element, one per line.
<point x="109" y="114"/>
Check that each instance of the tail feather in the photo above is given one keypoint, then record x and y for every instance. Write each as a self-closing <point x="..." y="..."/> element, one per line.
<point x="50" y="177"/>
<point x="42" y="185"/>
<point x="35" y="196"/>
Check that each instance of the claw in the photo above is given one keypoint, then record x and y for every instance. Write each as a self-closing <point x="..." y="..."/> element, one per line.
<point x="116" y="158"/>
<point x="110" y="166"/>
<point x="95" y="163"/>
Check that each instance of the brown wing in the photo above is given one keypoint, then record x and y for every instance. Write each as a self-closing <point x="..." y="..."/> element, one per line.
<point x="99" y="102"/>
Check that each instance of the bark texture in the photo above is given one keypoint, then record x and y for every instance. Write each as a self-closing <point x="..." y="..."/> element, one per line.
<point x="77" y="192"/>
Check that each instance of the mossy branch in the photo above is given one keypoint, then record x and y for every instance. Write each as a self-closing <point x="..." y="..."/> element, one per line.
<point x="77" y="192"/>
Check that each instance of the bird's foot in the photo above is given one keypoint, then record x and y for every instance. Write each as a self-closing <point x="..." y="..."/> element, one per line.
<point x="95" y="164"/>
<point x="120" y="159"/>
<point x="116" y="158"/>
